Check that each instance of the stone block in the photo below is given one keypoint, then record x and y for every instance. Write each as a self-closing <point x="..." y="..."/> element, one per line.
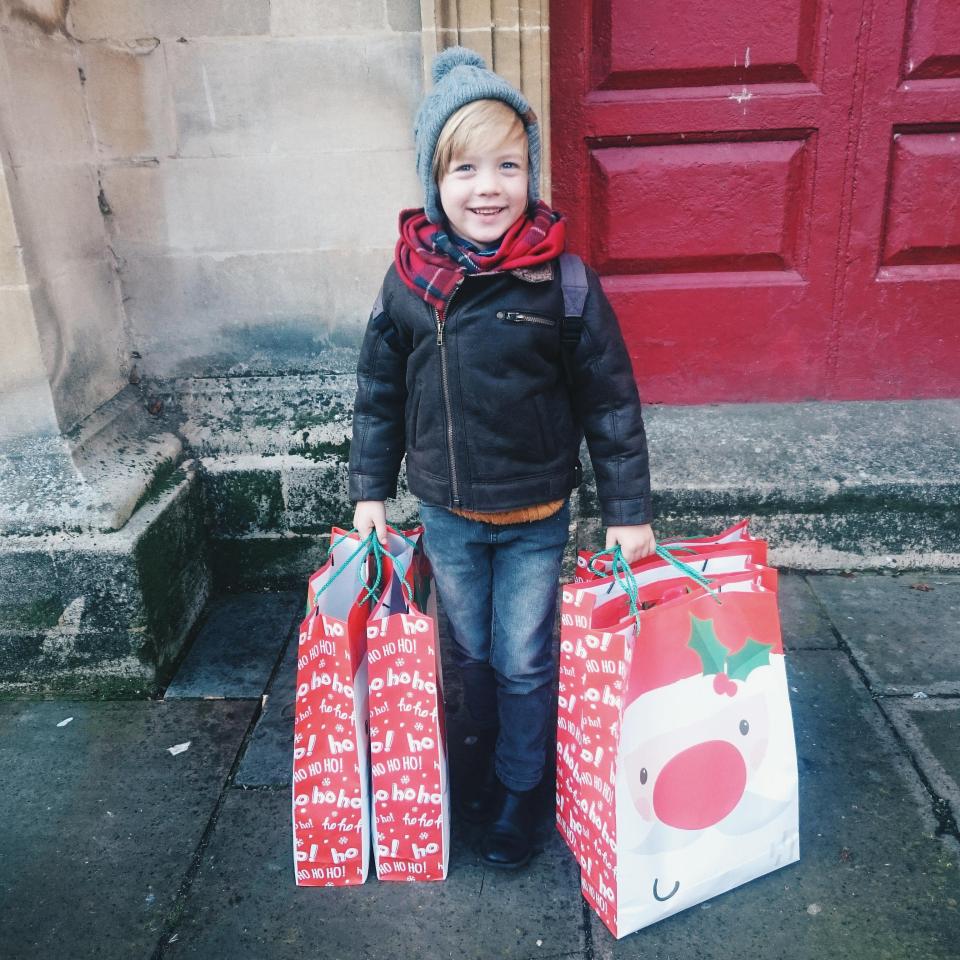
<point x="477" y="37"/>
<point x="297" y="97"/>
<point x="266" y="760"/>
<point x="269" y="313"/>
<point x="929" y="728"/>
<point x="318" y="18"/>
<point x="802" y="620"/>
<point x="173" y="574"/>
<point x="505" y="14"/>
<point x="36" y="610"/>
<point x="831" y="485"/>
<point x="534" y="85"/>
<point x="275" y="561"/>
<point x="11" y="257"/>
<point x="102" y="823"/>
<point x="47" y="121"/>
<point x="105" y="614"/>
<point x="246" y="204"/>
<point x="506" y="55"/>
<point x="534" y="15"/>
<point x="237" y="647"/>
<point x="104" y="19"/>
<point x="278" y="419"/>
<point x="243" y="495"/>
<point x="25" y="400"/>
<point x="58" y="217"/>
<point x="81" y="327"/>
<point x="473" y="15"/>
<point x="128" y="97"/>
<point x="903" y="638"/>
<point x="92" y="480"/>
<point x="404" y="15"/>
<point x="315" y="494"/>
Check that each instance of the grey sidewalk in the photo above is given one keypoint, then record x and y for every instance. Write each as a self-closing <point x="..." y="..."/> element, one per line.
<point x="116" y="847"/>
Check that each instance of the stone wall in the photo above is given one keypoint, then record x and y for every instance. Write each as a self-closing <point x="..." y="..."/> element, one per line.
<point x="253" y="166"/>
<point x="68" y="352"/>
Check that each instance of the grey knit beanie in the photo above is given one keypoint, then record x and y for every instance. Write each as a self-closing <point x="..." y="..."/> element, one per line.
<point x="459" y="77"/>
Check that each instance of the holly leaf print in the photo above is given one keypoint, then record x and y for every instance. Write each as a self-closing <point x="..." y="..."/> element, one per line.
<point x="751" y="655"/>
<point x="704" y="643"/>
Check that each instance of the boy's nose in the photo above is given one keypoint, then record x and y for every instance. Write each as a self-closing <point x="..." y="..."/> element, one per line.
<point x="487" y="184"/>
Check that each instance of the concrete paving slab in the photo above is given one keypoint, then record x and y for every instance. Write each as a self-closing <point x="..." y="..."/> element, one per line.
<point x="101" y="821"/>
<point x="873" y="881"/>
<point x="802" y="619"/>
<point x="930" y="729"/>
<point x="243" y="902"/>
<point x="268" y="757"/>
<point x="237" y="647"/>
<point x="905" y="639"/>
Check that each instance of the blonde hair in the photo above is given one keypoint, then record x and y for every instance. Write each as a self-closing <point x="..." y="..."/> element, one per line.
<point x="474" y="123"/>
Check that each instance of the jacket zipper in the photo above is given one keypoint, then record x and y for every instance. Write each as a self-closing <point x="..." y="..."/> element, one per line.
<point x="526" y="318"/>
<point x="445" y="387"/>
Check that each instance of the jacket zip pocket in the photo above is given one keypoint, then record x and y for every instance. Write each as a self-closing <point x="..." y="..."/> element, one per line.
<point x="517" y="317"/>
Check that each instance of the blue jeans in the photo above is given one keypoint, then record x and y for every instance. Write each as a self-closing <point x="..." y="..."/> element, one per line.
<point x="498" y="586"/>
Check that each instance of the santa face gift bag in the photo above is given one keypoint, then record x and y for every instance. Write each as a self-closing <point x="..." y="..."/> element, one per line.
<point x="408" y="750"/>
<point x="687" y="778"/>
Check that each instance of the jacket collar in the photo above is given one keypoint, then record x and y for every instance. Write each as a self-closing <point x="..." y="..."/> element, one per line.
<point x="536" y="274"/>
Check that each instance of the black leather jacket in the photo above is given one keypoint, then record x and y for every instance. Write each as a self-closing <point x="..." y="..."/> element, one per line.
<point x="484" y="412"/>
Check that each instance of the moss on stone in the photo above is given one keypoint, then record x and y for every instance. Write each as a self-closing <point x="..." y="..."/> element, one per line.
<point x="274" y="562"/>
<point x="36" y="614"/>
<point x="245" y="500"/>
<point x="165" y="477"/>
<point x="322" y="450"/>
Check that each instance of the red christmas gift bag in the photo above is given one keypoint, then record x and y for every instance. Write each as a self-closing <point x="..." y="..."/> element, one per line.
<point x="576" y="762"/>
<point x="694" y="788"/>
<point x="331" y="818"/>
<point x="411" y="797"/>
<point x="581" y="630"/>
<point x="717" y="545"/>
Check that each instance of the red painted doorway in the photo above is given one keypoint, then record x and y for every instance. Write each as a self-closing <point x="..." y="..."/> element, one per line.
<point x="770" y="192"/>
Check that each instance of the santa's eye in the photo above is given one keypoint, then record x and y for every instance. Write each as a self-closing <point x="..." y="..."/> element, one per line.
<point x="643" y="775"/>
<point x="744" y="727"/>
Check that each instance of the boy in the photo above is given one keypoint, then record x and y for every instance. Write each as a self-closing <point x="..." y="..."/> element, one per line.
<point x="462" y="370"/>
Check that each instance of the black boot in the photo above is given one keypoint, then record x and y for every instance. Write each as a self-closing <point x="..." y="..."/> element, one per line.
<point x="509" y="839"/>
<point x="477" y="792"/>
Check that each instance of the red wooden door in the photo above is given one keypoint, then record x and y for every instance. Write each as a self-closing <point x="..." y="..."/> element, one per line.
<point x="898" y="315"/>
<point x="716" y="173"/>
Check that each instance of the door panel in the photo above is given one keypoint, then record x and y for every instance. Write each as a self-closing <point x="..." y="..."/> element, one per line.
<point x="764" y="190"/>
<point x="898" y="319"/>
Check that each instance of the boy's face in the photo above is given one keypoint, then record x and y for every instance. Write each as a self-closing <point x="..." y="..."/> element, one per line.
<point x="484" y="190"/>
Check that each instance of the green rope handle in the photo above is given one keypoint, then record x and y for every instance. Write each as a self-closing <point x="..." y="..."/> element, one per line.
<point x="688" y="571"/>
<point x="665" y="546"/>
<point x="623" y="575"/>
<point x="371" y="545"/>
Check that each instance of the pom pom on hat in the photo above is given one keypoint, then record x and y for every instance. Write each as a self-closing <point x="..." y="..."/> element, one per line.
<point x="460" y="76"/>
<point x="452" y="57"/>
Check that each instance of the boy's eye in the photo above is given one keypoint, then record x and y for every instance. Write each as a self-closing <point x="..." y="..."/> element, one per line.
<point x="463" y="166"/>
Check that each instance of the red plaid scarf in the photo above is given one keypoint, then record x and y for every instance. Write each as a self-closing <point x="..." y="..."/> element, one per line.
<point x="433" y="265"/>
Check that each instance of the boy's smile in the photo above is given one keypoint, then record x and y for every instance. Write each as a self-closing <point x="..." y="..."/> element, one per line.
<point x="485" y="190"/>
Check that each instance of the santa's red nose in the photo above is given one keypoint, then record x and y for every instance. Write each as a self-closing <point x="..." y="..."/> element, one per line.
<point x="700" y="786"/>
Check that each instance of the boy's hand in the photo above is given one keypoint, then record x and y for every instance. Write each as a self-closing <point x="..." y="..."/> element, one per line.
<point x="635" y="541"/>
<point x="370" y="515"/>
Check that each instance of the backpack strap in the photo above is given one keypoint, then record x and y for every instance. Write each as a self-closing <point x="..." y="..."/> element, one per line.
<point x="573" y="283"/>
